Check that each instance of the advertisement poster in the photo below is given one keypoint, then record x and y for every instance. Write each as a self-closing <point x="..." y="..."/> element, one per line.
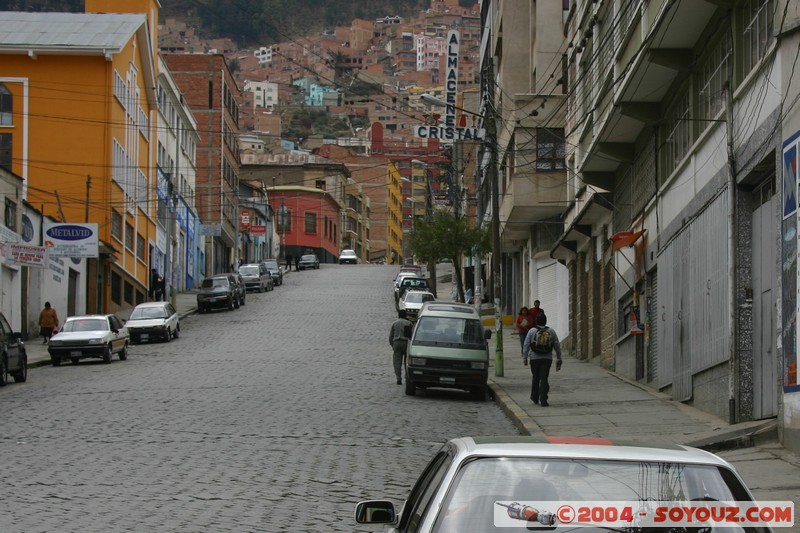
<point x="71" y="240"/>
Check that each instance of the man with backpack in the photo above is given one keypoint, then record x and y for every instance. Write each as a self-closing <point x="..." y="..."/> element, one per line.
<point x="539" y="345"/>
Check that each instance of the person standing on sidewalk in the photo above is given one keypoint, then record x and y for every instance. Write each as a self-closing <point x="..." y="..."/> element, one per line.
<point x="398" y="340"/>
<point x="523" y="324"/>
<point x="536" y="310"/>
<point x="288" y="262"/>
<point x="48" y="321"/>
<point x="540" y="343"/>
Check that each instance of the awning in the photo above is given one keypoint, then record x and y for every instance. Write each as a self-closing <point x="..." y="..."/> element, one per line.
<point x="578" y="233"/>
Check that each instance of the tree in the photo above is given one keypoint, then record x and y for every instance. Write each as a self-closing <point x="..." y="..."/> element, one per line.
<point x="448" y="236"/>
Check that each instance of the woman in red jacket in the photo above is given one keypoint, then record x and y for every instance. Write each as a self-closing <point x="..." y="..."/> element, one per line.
<point x="524" y="323"/>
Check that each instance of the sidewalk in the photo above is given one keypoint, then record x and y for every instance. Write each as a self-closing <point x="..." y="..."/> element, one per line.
<point x="589" y="401"/>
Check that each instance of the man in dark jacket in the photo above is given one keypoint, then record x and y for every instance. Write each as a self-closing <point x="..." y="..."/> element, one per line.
<point x="398" y="340"/>
<point x="539" y="345"/>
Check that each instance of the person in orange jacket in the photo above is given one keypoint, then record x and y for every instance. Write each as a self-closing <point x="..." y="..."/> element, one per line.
<point x="523" y="324"/>
<point x="48" y="321"/>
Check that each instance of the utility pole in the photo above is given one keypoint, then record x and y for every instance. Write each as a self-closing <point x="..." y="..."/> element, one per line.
<point x="88" y="186"/>
<point x="491" y="137"/>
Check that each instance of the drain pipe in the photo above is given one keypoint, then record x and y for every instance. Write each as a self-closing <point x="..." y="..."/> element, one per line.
<point x="732" y="240"/>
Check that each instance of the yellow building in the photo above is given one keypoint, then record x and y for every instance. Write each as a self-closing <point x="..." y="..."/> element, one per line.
<point x="395" y="245"/>
<point x="82" y="128"/>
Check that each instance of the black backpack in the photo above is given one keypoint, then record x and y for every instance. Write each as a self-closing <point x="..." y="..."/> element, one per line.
<point x="542" y="341"/>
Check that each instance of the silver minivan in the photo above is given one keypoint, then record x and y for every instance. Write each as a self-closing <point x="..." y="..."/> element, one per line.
<point x="256" y="277"/>
<point x="448" y="349"/>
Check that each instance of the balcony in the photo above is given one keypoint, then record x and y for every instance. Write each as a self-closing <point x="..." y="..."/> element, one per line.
<point x="529" y="198"/>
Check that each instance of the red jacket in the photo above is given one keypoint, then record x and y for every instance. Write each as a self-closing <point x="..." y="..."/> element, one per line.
<point x="523" y="328"/>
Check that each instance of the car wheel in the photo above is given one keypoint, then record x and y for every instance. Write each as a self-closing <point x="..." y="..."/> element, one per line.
<point x="168" y="336"/>
<point x="3" y="370"/>
<point x="236" y="303"/>
<point x="21" y="376"/>
<point x="231" y="305"/>
<point x="177" y="331"/>
<point x="261" y="288"/>
<point x="123" y="354"/>
<point x="74" y="360"/>
<point x="107" y="354"/>
<point x="411" y="389"/>
<point x="56" y="360"/>
<point x="478" y="393"/>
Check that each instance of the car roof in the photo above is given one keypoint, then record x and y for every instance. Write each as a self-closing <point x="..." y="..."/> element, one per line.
<point x="83" y="317"/>
<point x="151" y="304"/>
<point x="583" y="448"/>
<point x="439" y="308"/>
<point x="308" y="255"/>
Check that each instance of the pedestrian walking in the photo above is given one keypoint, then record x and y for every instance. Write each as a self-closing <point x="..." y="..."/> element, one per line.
<point x="523" y="324"/>
<point x="540" y="343"/>
<point x="536" y="310"/>
<point x="296" y="263"/>
<point x="398" y="340"/>
<point x="161" y="287"/>
<point x="48" y="322"/>
<point x="288" y="262"/>
<point x="153" y="283"/>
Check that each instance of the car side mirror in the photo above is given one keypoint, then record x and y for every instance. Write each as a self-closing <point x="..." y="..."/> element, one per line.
<point x="375" y="512"/>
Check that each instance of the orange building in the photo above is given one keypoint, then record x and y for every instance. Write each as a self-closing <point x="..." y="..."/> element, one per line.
<point x="82" y="131"/>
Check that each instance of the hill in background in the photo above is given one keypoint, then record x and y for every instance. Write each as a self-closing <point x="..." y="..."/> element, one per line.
<point x="256" y="22"/>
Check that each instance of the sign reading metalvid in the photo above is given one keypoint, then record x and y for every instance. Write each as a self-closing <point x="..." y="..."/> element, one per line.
<point x="71" y="240"/>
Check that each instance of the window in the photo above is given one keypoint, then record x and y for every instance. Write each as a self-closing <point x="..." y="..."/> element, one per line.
<point x="550" y="150"/>
<point x="10" y="217"/>
<point x="757" y="31"/>
<point x="6" y="106"/>
<point x="140" y="248"/>
<point x="714" y="72"/>
<point x="311" y="222"/>
<point x="116" y="225"/>
<point x="5" y="151"/>
<point x="129" y="236"/>
<point x="128" y="293"/>
<point x="284" y="219"/>
<point x="116" y="288"/>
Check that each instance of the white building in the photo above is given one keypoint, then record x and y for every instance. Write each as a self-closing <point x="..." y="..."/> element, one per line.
<point x="265" y="94"/>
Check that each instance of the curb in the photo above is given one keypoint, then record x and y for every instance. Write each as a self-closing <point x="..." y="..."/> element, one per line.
<point x="521" y="420"/>
<point x="740" y="438"/>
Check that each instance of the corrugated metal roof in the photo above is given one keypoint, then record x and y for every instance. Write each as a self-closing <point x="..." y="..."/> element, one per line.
<point x="41" y="31"/>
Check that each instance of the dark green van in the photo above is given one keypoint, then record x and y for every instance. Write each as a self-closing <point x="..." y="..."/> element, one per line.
<point x="448" y="349"/>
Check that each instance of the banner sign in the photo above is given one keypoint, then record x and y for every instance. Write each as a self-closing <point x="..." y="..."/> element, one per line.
<point x="244" y="220"/>
<point x="258" y="230"/>
<point x="71" y="240"/>
<point x="26" y="255"/>
<point x="213" y="230"/>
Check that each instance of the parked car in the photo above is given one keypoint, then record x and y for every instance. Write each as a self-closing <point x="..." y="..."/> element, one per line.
<point x="448" y="349"/>
<point x="407" y="283"/>
<point x="473" y="484"/>
<point x="308" y="261"/>
<point x="275" y="271"/>
<point x="412" y="301"/>
<point x="256" y="277"/>
<point x="153" y="321"/>
<point x="217" y="291"/>
<point x="13" y="357"/>
<point x="241" y="289"/>
<point x="348" y="257"/>
<point x="81" y="337"/>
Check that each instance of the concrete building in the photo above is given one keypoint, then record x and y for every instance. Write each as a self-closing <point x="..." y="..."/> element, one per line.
<point x="527" y="114"/>
<point x="677" y="112"/>
<point x="265" y="94"/>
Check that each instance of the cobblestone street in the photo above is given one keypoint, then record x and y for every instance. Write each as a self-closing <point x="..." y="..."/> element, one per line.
<point x="278" y="416"/>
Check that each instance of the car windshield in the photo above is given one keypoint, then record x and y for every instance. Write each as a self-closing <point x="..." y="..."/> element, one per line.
<point x="249" y="271"/>
<point x="86" y="324"/>
<point x="470" y="503"/>
<point x="414" y="283"/>
<point x="272" y="265"/>
<point x="144" y="313"/>
<point x="209" y="283"/>
<point x="433" y="330"/>
<point x="415" y="297"/>
<point x="308" y="258"/>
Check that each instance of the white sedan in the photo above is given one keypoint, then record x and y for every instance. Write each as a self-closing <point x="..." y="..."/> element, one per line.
<point x="348" y="257"/>
<point x="153" y="321"/>
<point x="412" y="301"/>
<point x="89" y="336"/>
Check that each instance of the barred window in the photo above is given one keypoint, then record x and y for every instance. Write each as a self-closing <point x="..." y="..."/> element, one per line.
<point x="11" y="215"/>
<point x="140" y="248"/>
<point x="6" y="106"/>
<point x="116" y="288"/>
<point x="550" y="151"/>
<point x="5" y="150"/>
<point x="715" y="71"/>
<point x="756" y="19"/>
<point x="311" y="222"/>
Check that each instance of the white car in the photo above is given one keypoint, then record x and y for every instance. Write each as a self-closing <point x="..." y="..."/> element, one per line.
<point x="348" y="257"/>
<point x="516" y="484"/>
<point x="89" y="336"/>
<point x="153" y="321"/>
<point x="412" y="301"/>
